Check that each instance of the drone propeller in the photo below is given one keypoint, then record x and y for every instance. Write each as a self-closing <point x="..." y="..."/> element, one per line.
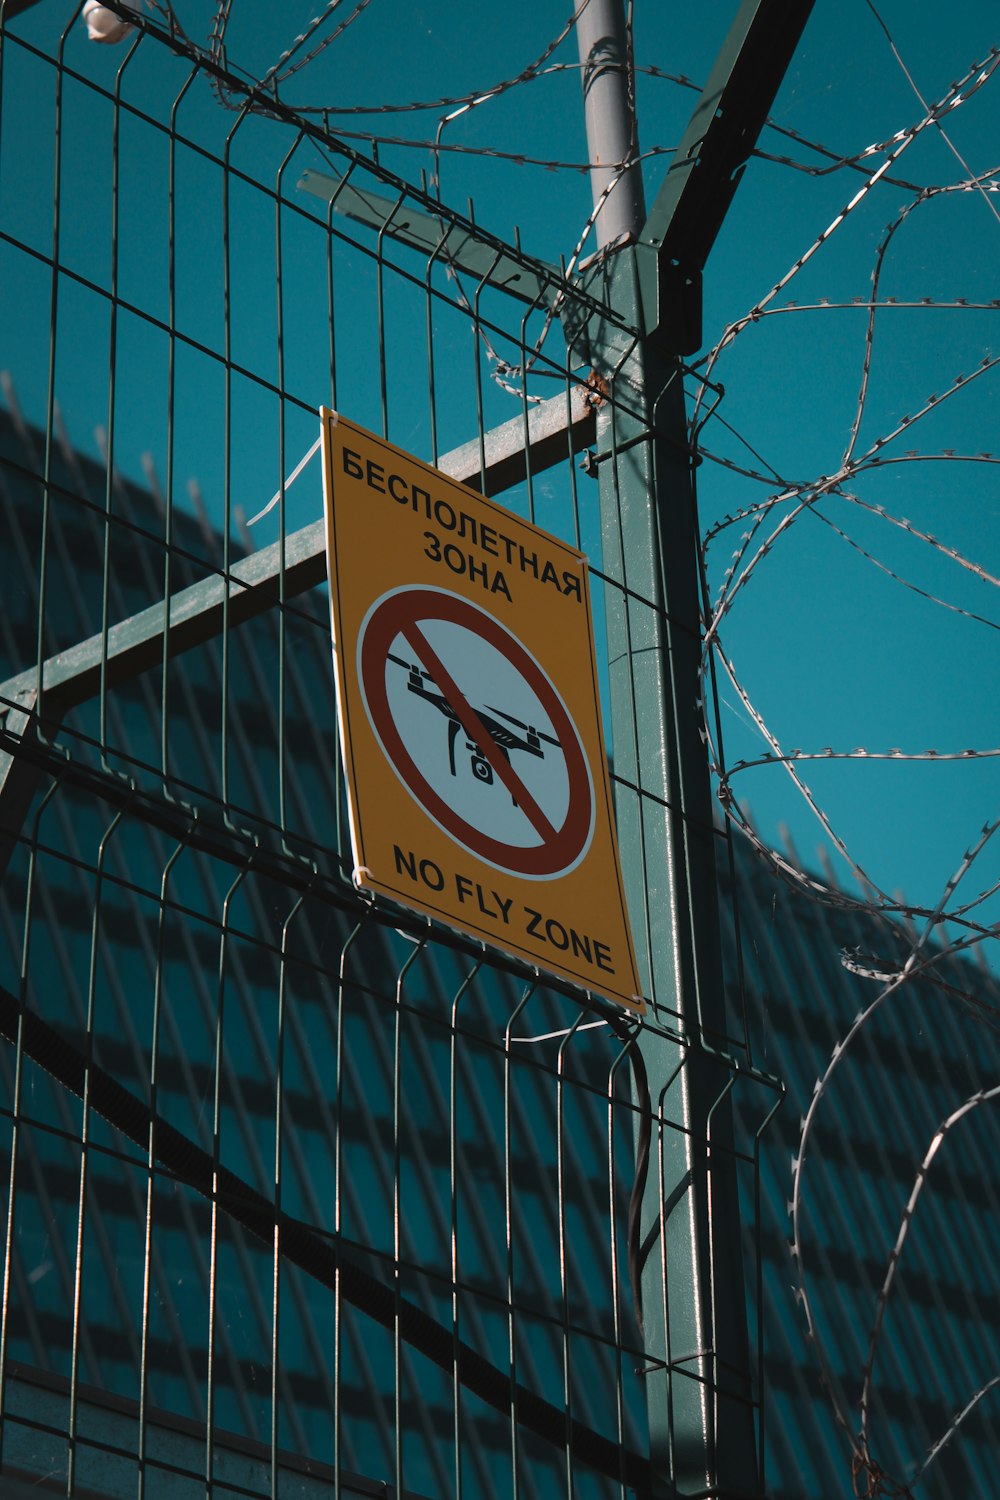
<point x="529" y="728"/>
<point x="413" y="666"/>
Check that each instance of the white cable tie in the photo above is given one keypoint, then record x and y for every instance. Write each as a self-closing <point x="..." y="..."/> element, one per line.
<point x="548" y="1036"/>
<point x="409" y="937"/>
<point x="288" y="483"/>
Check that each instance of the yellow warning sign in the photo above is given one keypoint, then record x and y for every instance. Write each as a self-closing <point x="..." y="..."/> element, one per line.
<point x="469" y="715"/>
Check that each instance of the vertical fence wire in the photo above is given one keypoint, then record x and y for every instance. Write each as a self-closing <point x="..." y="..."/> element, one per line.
<point x="282" y="470"/>
<point x="16" y="1097"/>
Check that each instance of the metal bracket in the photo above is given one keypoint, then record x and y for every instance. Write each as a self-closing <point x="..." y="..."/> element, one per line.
<point x="531" y="281"/>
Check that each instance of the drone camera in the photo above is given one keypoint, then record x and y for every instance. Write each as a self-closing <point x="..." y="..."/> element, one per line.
<point x="482" y="770"/>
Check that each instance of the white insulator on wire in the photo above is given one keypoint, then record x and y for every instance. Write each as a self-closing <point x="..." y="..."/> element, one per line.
<point x="103" y="25"/>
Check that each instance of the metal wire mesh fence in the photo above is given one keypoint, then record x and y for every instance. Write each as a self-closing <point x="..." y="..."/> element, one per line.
<point x="270" y="1075"/>
<point x="304" y="1195"/>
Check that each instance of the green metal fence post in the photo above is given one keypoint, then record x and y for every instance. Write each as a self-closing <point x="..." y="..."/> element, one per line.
<point x="699" y="1379"/>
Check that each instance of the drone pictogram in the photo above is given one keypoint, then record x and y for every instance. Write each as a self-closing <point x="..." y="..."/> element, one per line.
<point x="422" y="649"/>
<point x="504" y="737"/>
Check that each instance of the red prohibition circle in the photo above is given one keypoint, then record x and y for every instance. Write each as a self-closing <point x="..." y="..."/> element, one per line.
<point x="400" y="613"/>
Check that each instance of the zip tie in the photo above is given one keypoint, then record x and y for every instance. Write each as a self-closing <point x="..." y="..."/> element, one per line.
<point x="548" y="1036"/>
<point x="288" y="483"/>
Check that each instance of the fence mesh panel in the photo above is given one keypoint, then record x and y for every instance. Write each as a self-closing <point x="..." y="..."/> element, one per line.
<point x="302" y="1192"/>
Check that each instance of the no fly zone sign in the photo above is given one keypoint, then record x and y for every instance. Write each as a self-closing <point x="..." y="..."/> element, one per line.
<point x="469" y="715"/>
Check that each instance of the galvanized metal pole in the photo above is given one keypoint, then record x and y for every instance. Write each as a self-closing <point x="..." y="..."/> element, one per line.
<point x="602" y="44"/>
<point x="699" y="1379"/>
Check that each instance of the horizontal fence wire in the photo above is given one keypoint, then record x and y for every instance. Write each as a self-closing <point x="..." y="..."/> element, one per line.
<point x="304" y="1192"/>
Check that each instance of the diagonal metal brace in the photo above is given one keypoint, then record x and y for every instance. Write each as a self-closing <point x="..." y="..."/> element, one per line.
<point x="707" y="166"/>
<point x="529" y="280"/>
<point x="554" y="430"/>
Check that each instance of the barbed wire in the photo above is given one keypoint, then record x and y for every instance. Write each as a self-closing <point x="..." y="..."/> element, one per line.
<point x="764" y="525"/>
<point x="534" y="71"/>
<point x="958" y="94"/>
<point x="982" y="1096"/>
<point x="508" y="376"/>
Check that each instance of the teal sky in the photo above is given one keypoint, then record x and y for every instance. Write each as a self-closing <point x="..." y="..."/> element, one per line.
<point x="829" y="647"/>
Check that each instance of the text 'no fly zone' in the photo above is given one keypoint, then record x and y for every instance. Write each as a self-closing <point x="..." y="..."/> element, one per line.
<point x="522" y="920"/>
